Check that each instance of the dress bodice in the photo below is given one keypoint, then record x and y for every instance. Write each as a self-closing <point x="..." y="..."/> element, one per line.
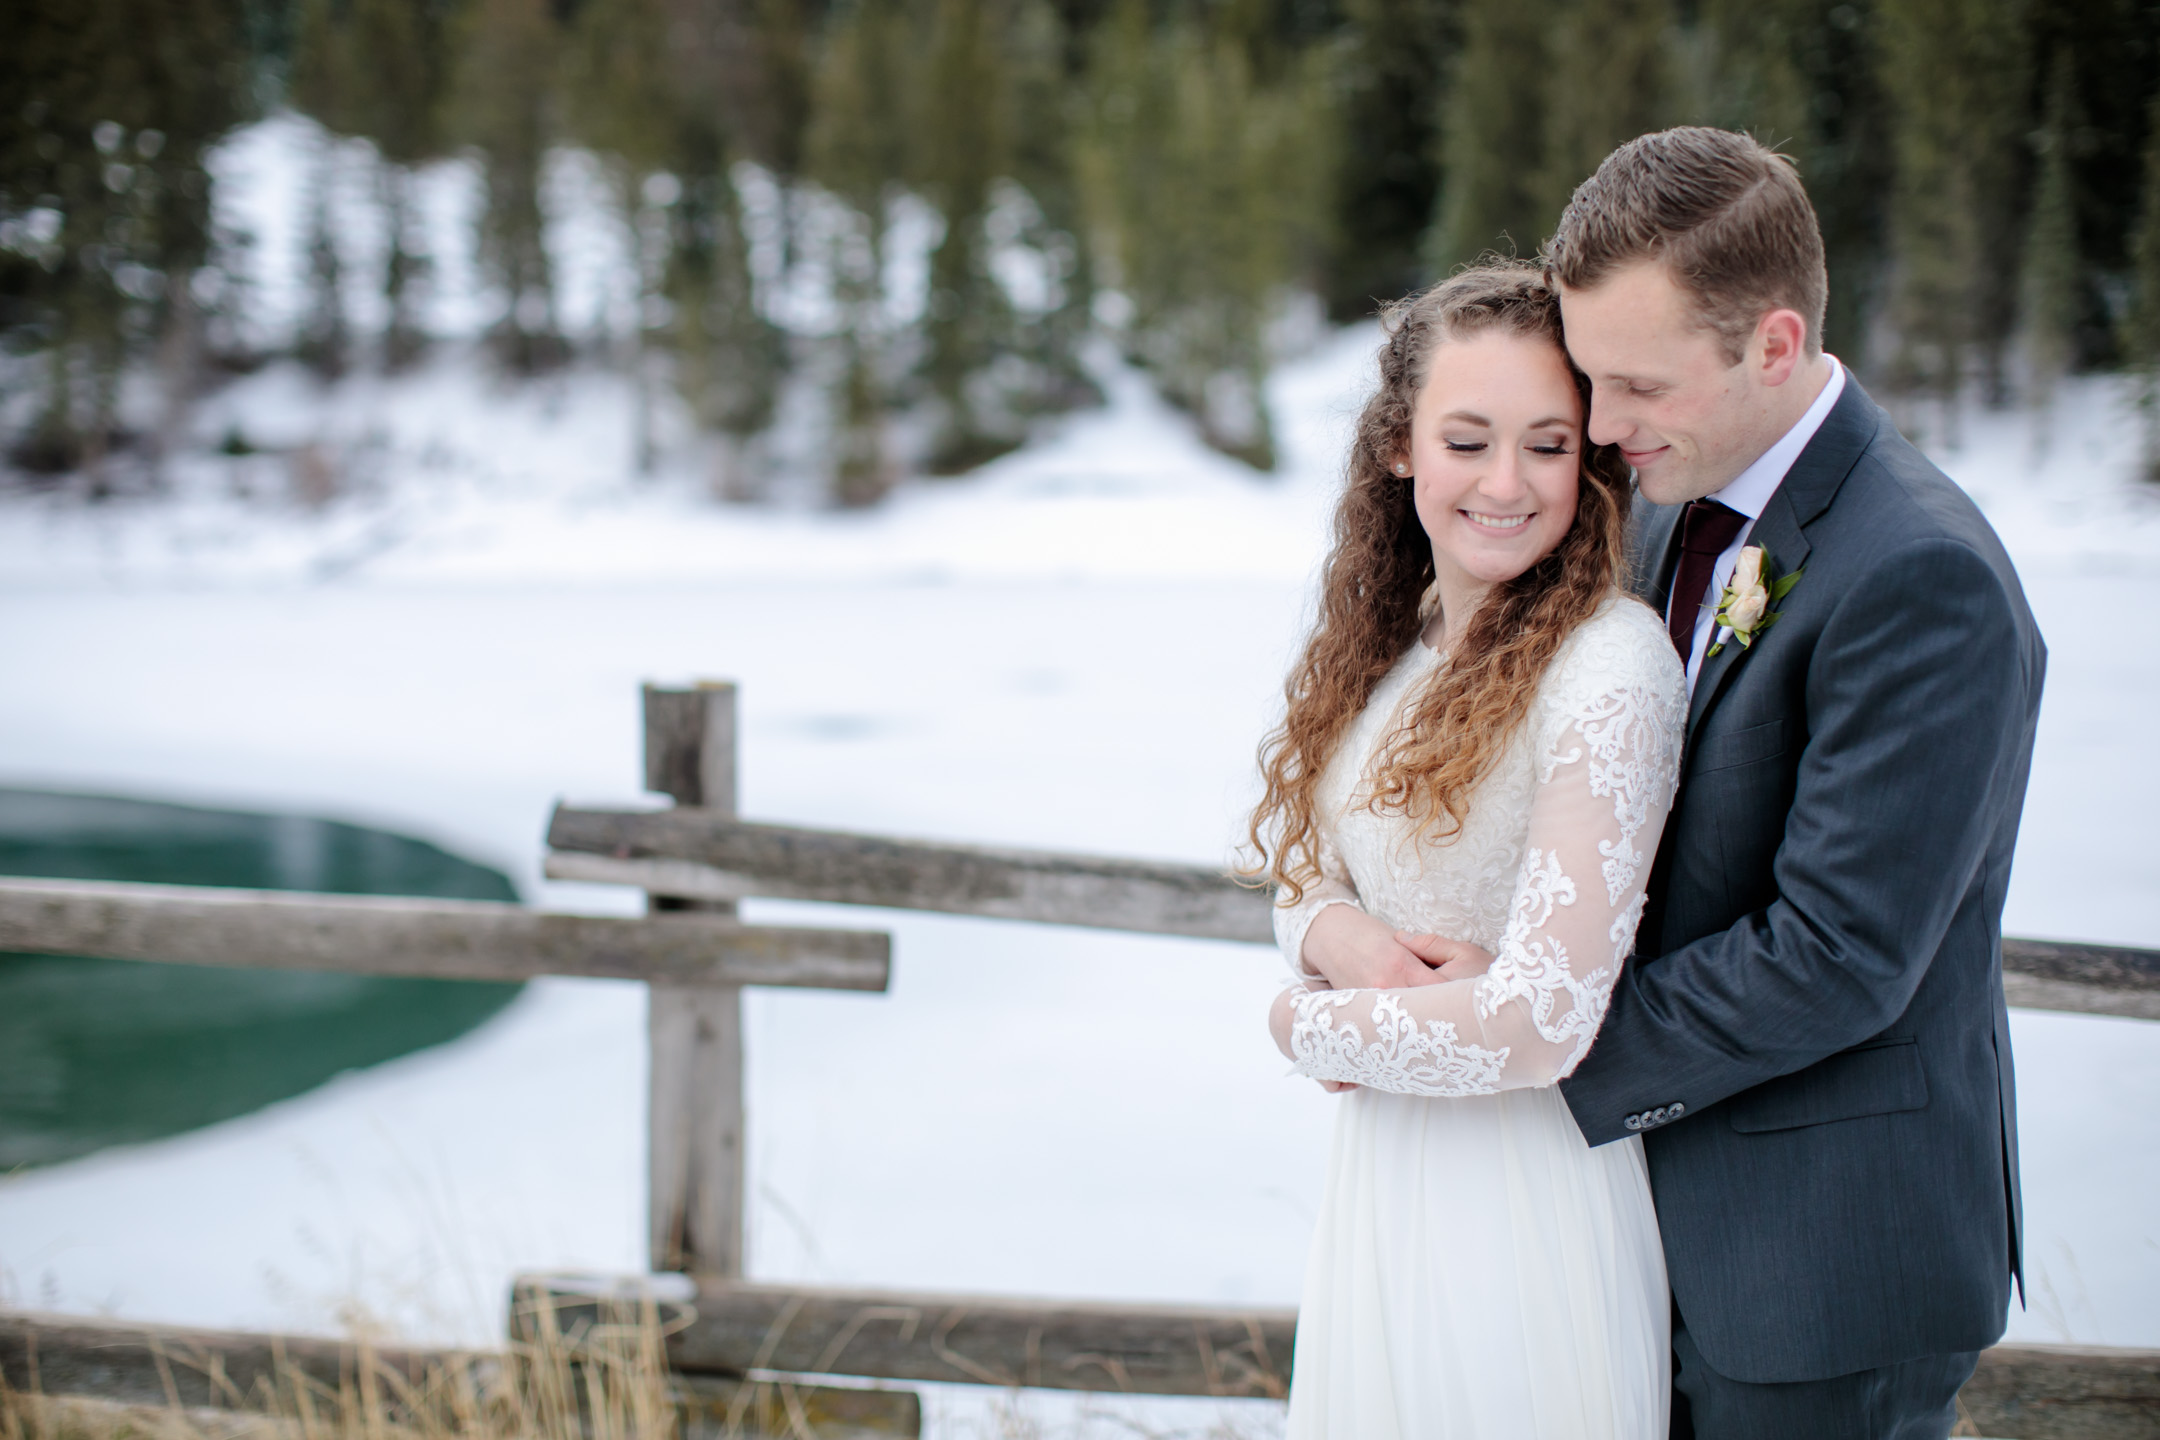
<point x="1546" y="871"/>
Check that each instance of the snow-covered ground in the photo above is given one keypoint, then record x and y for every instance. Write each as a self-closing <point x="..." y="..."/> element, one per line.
<point x="1076" y="647"/>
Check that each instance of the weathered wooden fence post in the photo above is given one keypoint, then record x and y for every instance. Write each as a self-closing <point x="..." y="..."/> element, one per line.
<point x="695" y="1031"/>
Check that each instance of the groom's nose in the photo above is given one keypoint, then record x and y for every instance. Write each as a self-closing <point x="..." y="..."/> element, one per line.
<point x="1608" y="426"/>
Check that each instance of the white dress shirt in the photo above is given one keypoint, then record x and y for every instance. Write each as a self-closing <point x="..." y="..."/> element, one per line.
<point x="1749" y="492"/>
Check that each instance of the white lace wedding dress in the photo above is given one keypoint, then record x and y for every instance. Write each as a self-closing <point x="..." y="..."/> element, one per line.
<point x="1477" y="1270"/>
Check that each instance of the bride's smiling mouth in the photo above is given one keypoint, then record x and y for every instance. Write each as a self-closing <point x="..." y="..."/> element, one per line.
<point x="1494" y="522"/>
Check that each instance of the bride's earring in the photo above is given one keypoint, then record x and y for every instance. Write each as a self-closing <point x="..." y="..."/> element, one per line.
<point x="1402" y="468"/>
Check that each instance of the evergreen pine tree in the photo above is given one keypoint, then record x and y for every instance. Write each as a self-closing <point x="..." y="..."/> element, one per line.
<point x="1740" y="68"/>
<point x="728" y="357"/>
<point x="1041" y="80"/>
<point x="2115" y="48"/>
<point x="379" y="69"/>
<point x="322" y="78"/>
<point x="2049" y="286"/>
<point x="862" y="468"/>
<point x="1206" y="179"/>
<point x="857" y="149"/>
<point x="641" y="88"/>
<point x="503" y="104"/>
<point x="623" y="92"/>
<point x="1537" y="98"/>
<point x="963" y="137"/>
<point x="1804" y="77"/>
<point x="1386" y="184"/>
<point x="1607" y="78"/>
<point x="752" y="62"/>
<point x="2141" y="322"/>
<point x="324" y="341"/>
<point x="1960" y="111"/>
<point x="621" y="88"/>
<point x="1492" y="136"/>
<point x="858" y="136"/>
<point x="104" y="199"/>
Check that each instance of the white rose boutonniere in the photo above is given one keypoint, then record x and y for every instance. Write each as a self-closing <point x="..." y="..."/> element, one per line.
<point x="1743" y="608"/>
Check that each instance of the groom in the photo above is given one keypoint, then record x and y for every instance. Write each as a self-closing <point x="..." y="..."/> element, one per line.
<point x="1811" y="1037"/>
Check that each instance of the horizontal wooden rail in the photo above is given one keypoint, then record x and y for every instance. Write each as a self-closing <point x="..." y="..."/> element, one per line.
<point x="2036" y="1392"/>
<point x="438" y="939"/>
<point x="732" y="1328"/>
<point x="706" y="855"/>
<point x="166" y="1365"/>
<point x="703" y="855"/>
<point x="2064" y="1392"/>
<point x="2092" y="979"/>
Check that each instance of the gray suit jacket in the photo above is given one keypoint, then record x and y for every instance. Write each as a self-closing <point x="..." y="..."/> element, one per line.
<point x="1811" y="1038"/>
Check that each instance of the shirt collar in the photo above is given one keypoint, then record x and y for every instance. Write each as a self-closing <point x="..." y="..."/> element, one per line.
<point x="1751" y="490"/>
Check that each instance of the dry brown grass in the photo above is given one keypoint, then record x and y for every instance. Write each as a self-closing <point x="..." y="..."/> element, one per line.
<point x="608" y="1381"/>
<point x="599" y="1375"/>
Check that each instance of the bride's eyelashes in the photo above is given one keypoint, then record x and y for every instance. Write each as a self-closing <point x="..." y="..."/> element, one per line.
<point x="1472" y="447"/>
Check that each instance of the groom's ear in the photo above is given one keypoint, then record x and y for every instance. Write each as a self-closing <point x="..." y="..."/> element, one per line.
<point x="1780" y="344"/>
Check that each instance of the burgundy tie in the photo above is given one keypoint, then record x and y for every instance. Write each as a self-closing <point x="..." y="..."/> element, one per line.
<point x="1705" y="530"/>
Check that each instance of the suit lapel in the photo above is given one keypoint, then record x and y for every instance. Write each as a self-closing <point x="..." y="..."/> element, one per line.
<point x="1657" y="554"/>
<point x="1807" y="490"/>
<point x="1778" y="532"/>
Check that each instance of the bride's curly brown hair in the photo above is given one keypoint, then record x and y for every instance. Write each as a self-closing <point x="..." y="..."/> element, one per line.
<point x="1377" y="574"/>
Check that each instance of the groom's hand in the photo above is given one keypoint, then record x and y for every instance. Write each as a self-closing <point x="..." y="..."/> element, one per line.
<point x="1450" y="959"/>
<point x="1353" y="951"/>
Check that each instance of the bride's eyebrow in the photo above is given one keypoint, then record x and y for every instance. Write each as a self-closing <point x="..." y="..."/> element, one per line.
<point x="1468" y="417"/>
<point x="1551" y="422"/>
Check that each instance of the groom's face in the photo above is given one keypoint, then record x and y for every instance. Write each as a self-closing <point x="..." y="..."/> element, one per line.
<point x="1661" y="386"/>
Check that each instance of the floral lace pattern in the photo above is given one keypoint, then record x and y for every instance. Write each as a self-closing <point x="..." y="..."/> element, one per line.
<point x="1399" y="1055"/>
<point x="1589" y="776"/>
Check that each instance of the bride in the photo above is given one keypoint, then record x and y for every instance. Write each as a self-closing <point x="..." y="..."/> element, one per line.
<point x="1461" y="807"/>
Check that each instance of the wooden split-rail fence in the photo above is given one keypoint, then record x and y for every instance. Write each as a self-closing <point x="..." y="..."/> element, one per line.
<point x="695" y="861"/>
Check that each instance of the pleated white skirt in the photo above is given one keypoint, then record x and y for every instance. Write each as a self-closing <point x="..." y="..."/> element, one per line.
<point x="1478" y="1272"/>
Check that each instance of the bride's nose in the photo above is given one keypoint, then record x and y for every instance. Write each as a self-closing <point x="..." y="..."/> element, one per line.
<point x="1503" y="479"/>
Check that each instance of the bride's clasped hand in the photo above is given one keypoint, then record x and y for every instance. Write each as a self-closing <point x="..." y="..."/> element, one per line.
<point x="1353" y="950"/>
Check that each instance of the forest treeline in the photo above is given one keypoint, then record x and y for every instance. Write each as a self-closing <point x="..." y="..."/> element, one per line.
<point x="1162" y="175"/>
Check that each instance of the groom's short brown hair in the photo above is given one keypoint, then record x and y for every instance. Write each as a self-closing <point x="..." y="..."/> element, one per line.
<point x="1724" y="213"/>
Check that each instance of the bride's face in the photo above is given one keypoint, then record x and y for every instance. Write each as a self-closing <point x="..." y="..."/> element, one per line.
<point x="1496" y="448"/>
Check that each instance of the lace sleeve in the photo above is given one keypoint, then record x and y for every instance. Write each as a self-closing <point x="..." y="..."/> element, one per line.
<point x="1605" y="782"/>
<point x="1292" y="921"/>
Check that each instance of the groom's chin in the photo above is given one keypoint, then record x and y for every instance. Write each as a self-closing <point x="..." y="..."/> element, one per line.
<point x="1661" y="482"/>
<point x="1668" y="480"/>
